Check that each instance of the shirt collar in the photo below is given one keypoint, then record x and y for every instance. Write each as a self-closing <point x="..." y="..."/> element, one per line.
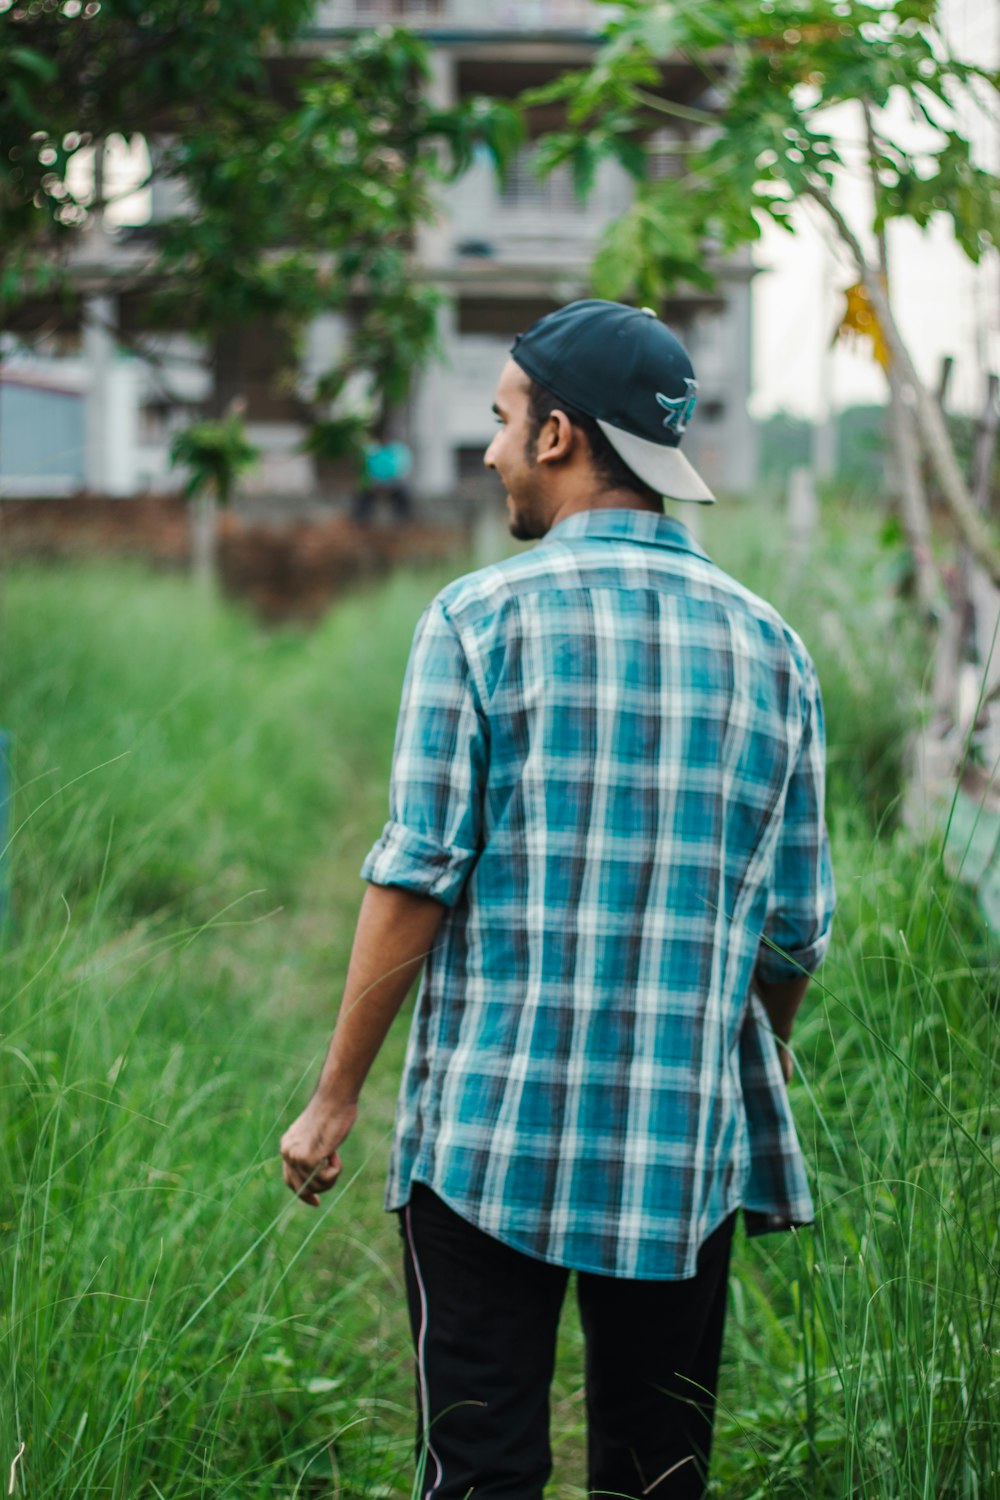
<point x="628" y="525"/>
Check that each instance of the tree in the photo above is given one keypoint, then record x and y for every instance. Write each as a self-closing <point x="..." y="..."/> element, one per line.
<point x="763" y="144"/>
<point x="303" y="184"/>
<point x="215" y="454"/>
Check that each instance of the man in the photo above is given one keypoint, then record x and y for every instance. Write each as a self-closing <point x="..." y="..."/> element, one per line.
<point x="606" y="831"/>
<point x="385" y="471"/>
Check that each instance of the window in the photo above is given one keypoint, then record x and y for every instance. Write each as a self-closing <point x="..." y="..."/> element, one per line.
<point x="529" y="15"/>
<point x="663" y="158"/>
<point x="500" y="317"/>
<point x="524" y="190"/>
<point x="376" y="12"/>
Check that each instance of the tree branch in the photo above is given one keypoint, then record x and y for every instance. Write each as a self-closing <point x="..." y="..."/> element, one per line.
<point x="931" y="430"/>
<point x="678" y="111"/>
<point x="912" y="491"/>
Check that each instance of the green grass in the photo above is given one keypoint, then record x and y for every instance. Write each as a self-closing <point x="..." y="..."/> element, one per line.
<point x="194" y="800"/>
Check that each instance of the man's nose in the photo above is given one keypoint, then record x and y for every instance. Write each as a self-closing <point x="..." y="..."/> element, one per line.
<point x="488" y="455"/>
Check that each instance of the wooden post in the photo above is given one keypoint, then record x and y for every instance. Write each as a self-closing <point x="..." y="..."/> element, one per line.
<point x="949" y="650"/>
<point x="965" y="680"/>
<point x="984" y="596"/>
<point x="986" y="447"/>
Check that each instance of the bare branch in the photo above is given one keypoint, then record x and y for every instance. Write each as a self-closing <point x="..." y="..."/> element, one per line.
<point x="678" y="111"/>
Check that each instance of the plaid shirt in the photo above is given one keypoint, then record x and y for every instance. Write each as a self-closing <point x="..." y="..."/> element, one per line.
<point x="609" y="767"/>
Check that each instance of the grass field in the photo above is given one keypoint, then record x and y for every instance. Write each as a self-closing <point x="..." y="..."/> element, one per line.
<point x="194" y="798"/>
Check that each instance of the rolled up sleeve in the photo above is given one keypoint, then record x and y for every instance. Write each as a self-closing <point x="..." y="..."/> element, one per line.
<point x="800" y="911"/>
<point x="433" y="836"/>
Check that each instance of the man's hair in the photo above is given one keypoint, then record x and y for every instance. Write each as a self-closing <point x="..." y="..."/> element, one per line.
<point x="609" y="467"/>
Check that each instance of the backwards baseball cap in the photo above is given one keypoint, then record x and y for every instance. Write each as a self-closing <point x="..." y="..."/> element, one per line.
<point x="623" y="367"/>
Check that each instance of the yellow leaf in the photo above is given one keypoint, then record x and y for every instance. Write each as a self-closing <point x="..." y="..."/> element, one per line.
<point x="860" y="321"/>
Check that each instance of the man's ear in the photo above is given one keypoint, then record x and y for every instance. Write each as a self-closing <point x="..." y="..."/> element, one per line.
<point x="556" y="439"/>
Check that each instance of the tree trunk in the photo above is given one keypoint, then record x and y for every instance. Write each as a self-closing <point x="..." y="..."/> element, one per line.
<point x="203" y="540"/>
<point x="911" y="490"/>
<point x="930" y="424"/>
<point x="227" y="374"/>
<point x="934" y="438"/>
<point x="913" y="508"/>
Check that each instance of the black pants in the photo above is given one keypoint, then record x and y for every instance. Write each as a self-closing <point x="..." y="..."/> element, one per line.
<point x="484" y="1320"/>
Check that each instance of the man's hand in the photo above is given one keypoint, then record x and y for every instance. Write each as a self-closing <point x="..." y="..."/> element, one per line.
<point x="311" y="1164"/>
<point x="781" y="1000"/>
<point x="396" y="931"/>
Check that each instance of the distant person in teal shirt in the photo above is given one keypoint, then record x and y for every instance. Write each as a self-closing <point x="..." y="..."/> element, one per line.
<point x="386" y="471"/>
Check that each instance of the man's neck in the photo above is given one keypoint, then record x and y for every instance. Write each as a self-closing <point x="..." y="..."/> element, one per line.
<point x="591" y="499"/>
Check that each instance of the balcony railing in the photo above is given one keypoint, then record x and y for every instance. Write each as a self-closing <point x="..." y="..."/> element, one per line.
<point x="464" y="15"/>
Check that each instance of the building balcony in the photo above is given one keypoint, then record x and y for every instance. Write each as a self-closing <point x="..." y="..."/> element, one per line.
<point x="467" y="16"/>
<point x="524" y="220"/>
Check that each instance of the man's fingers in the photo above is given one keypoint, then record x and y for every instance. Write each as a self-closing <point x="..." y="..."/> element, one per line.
<point x="307" y="1179"/>
<point x="294" y="1179"/>
<point x="310" y="1162"/>
<point x="327" y="1173"/>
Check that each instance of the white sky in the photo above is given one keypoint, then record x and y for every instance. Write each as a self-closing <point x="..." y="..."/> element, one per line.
<point x="944" y="304"/>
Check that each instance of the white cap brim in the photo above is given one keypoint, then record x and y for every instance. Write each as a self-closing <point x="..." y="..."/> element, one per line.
<point x="664" y="469"/>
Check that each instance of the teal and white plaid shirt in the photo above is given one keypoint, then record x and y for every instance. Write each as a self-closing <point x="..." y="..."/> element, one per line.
<point x="609" y="767"/>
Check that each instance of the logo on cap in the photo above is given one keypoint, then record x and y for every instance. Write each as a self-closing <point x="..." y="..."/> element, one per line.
<point x="679" y="409"/>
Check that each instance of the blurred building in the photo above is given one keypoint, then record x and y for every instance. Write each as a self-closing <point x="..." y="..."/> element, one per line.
<point x="503" y="254"/>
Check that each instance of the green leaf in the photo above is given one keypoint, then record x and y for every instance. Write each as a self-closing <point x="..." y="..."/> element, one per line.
<point x="216" y="453"/>
<point x="553" y="151"/>
<point x="500" y="126"/>
<point x="656" y="27"/>
<point x="340" y="437"/>
<point x="631" y="154"/>
<point x="583" y="166"/>
<point x="322" y="1464"/>
<point x="619" y="262"/>
<point x="43" y="67"/>
<point x="654" y="247"/>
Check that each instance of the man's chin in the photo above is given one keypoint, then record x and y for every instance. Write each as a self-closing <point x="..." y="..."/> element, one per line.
<point x="521" y="528"/>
